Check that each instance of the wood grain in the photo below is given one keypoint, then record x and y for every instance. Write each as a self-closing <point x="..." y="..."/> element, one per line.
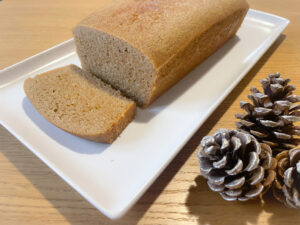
<point x="30" y="193"/>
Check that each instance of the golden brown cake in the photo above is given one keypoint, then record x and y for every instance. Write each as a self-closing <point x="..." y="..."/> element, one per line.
<point x="144" y="47"/>
<point x="80" y="103"/>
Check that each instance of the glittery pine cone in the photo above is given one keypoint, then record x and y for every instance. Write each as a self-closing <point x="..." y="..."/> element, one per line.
<point x="286" y="187"/>
<point x="236" y="165"/>
<point x="271" y="116"/>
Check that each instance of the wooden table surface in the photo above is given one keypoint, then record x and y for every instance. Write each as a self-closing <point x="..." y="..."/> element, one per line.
<point x="30" y="193"/>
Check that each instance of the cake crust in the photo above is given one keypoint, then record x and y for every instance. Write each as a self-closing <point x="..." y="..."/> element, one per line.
<point x="170" y="35"/>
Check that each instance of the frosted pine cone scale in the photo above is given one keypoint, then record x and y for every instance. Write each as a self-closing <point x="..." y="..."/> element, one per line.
<point x="236" y="165"/>
<point x="286" y="187"/>
<point x="272" y="114"/>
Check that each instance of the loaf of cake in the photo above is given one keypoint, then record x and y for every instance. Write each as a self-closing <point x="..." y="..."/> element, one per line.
<point x="144" y="47"/>
<point x="80" y="103"/>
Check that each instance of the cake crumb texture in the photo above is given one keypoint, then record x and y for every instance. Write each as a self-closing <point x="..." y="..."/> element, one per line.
<point x="80" y="103"/>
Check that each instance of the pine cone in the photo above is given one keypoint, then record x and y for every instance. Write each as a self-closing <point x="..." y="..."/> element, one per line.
<point x="236" y="165"/>
<point x="286" y="187"/>
<point x="272" y="115"/>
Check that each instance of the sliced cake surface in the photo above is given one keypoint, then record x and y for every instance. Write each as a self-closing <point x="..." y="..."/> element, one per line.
<point x="80" y="103"/>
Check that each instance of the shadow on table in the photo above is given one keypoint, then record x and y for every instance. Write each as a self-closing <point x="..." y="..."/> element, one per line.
<point x="280" y="214"/>
<point x="210" y="208"/>
<point x="78" y="211"/>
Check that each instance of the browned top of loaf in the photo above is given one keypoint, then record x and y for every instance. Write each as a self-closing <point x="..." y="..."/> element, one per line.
<point x="160" y="28"/>
<point x="78" y="102"/>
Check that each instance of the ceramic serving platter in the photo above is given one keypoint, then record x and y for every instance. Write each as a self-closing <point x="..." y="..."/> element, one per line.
<point x="113" y="177"/>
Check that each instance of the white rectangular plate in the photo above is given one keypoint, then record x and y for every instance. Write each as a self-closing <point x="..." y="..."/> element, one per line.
<point x="113" y="177"/>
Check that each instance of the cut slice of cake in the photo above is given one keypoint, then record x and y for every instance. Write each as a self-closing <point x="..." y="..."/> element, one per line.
<point x="80" y="103"/>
